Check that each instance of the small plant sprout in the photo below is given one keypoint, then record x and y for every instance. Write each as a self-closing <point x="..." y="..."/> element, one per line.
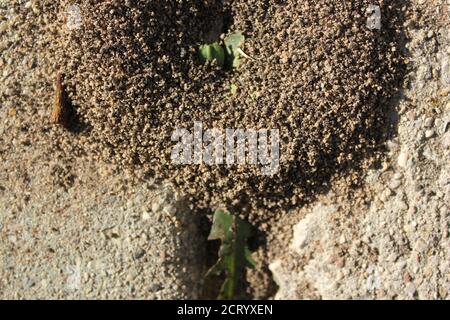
<point x="234" y="255"/>
<point x="227" y="53"/>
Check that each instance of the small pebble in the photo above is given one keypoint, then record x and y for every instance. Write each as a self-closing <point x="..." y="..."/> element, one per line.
<point x="139" y="253"/>
<point x="429" y="134"/>
<point x="394" y="184"/>
<point x="429" y="122"/>
<point x="402" y="159"/>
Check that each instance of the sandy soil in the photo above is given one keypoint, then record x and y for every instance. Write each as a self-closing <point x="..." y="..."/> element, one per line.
<point x="133" y="76"/>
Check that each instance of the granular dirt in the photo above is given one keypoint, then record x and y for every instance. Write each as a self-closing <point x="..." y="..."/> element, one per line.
<point x="317" y="74"/>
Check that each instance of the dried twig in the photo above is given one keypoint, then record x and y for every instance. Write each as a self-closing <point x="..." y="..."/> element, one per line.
<point x="60" y="106"/>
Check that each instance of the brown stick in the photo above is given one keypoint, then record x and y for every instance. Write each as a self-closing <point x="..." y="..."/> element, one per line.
<point x="59" y="110"/>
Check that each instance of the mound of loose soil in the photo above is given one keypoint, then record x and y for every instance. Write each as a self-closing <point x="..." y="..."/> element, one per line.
<point x="319" y="75"/>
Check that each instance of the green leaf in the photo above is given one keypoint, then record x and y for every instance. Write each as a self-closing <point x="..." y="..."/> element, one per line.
<point x="234" y="255"/>
<point x="210" y="52"/>
<point x="233" y="41"/>
<point x="232" y="45"/>
<point x="248" y="259"/>
<point x="222" y="224"/>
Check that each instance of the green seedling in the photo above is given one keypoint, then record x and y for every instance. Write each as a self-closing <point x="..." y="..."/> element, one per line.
<point x="234" y="255"/>
<point x="227" y="53"/>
